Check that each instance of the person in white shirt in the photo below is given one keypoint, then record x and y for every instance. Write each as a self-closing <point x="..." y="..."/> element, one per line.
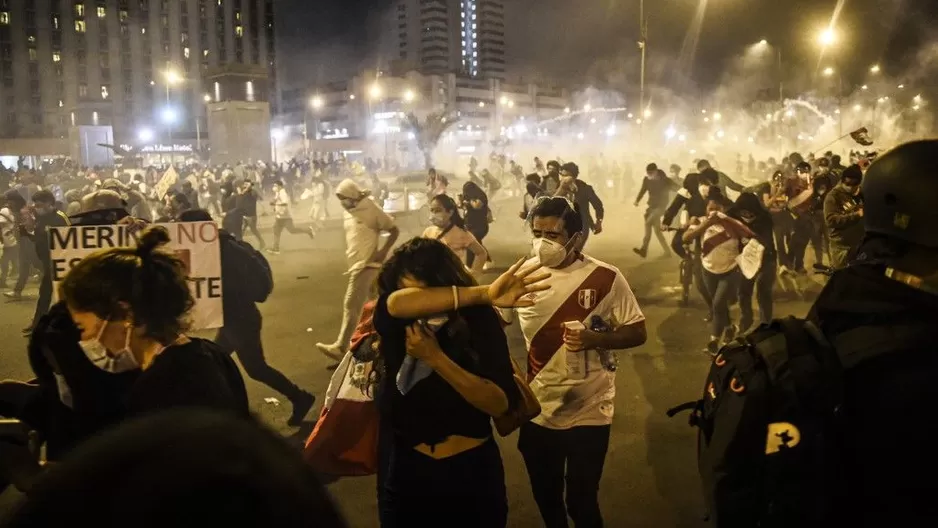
<point x="571" y="332"/>
<point x="450" y="228"/>
<point x="722" y="239"/>
<point x="364" y="224"/>
<point x="283" y="217"/>
<point x="8" y="236"/>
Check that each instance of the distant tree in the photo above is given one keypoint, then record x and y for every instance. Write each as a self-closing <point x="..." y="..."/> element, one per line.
<point x="429" y="131"/>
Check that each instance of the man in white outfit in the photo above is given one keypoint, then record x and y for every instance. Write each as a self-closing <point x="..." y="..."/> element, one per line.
<point x="365" y="222"/>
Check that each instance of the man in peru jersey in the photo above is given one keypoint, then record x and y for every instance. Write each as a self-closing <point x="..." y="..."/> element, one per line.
<point x="571" y="332"/>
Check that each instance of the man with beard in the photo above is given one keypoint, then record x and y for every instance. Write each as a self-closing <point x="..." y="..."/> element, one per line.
<point x="364" y="224"/>
<point x="843" y="213"/>
<point x="659" y="187"/>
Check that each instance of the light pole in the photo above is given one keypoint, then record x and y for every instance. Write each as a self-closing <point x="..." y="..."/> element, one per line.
<point x="643" y="45"/>
<point x="316" y="103"/>
<point x="168" y="115"/>
<point x="827" y="38"/>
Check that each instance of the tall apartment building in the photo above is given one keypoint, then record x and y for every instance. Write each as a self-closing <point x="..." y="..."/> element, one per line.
<point x="450" y="36"/>
<point x="104" y="62"/>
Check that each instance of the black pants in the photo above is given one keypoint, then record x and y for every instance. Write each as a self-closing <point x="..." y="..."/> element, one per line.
<point x="462" y="491"/>
<point x="45" y="295"/>
<point x="572" y="457"/>
<point x="800" y="237"/>
<point x="763" y="284"/>
<point x="246" y="344"/>
<point x="29" y="260"/>
<point x="250" y="222"/>
<point x="286" y="224"/>
<point x="782" y="225"/>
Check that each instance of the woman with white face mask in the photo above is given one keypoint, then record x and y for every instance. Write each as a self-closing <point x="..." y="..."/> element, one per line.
<point x="450" y="228"/>
<point x="131" y="306"/>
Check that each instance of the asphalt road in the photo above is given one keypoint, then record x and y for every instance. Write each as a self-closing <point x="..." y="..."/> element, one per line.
<point x="650" y="473"/>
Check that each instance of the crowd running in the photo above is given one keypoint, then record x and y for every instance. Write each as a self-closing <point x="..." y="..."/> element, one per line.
<point x="121" y="381"/>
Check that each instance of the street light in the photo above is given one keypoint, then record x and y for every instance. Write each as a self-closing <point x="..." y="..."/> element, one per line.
<point x="828" y="71"/>
<point x="875" y="69"/>
<point x="481" y="104"/>
<point x="375" y="91"/>
<point x="587" y="107"/>
<point x="145" y="135"/>
<point x="409" y="96"/>
<point x="316" y="102"/>
<point x="207" y="98"/>
<point x="717" y="116"/>
<point x="827" y="37"/>
<point x="647" y="113"/>
<point x="169" y="115"/>
<point x="172" y="77"/>
<point x="763" y="42"/>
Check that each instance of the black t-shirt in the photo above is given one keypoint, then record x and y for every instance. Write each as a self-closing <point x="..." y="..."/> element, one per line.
<point x="247" y="202"/>
<point x="195" y="374"/>
<point x="432" y="410"/>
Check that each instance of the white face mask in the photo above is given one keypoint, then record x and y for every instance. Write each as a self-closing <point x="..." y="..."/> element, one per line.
<point x="115" y="363"/>
<point x="549" y="253"/>
<point x="440" y="219"/>
<point x="704" y="191"/>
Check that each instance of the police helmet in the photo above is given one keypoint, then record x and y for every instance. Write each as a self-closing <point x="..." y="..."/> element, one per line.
<point x="900" y="192"/>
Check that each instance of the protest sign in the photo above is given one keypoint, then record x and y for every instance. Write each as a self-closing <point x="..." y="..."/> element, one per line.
<point x="170" y="177"/>
<point x="195" y="243"/>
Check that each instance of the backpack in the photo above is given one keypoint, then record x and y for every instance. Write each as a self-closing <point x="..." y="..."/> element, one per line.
<point x="253" y="273"/>
<point x="768" y="434"/>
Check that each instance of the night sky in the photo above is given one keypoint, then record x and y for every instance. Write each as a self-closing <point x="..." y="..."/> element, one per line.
<point x="593" y="41"/>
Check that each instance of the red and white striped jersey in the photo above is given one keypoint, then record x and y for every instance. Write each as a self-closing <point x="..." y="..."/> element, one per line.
<point x="578" y="292"/>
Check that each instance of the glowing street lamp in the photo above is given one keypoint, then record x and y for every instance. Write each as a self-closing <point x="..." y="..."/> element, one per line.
<point x="647" y="113"/>
<point x="207" y="98"/>
<point x="566" y="110"/>
<point x="587" y="107"/>
<point x="670" y="132"/>
<point x="172" y="77"/>
<point x="169" y="115"/>
<point x="917" y="99"/>
<point x="145" y="135"/>
<point x="409" y="96"/>
<point x="827" y="38"/>
<point x="316" y="102"/>
<point x="864" y="87"/>
<point x="875" y="69"/>
<point x="763" y="42"/>
<point x="828" y="71"/>
<point x="717" y="116"/>
<point x="481" y="104"/>
<point x="375" y="91"/>
<point x="901" y="86"/>
<point x="857" y="107"/>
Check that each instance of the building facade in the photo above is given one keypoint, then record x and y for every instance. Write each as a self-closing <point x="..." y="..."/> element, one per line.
<point x="368" y="112"/>
<point x="131" y="64"/>
<point x="450" y="36"/>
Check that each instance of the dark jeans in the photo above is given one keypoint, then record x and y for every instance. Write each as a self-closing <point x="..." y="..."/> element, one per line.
<point x="573" y="458"/>
<point x="653" y="225"/>
<point x="820" y="241"/>
<point x="45" y="295"/>
<point x="282" y="224"/>
<point x="782" y="225"/>
<point x="465" y="491"/>
<point x="28" y="259"/>
<point x="763" y="284"/>
<point x="800" y="236"/>
<point x="9" y="262"/>
<point x="246" y="344"/>
<point x="250" y="222"/>
<point x="677" y="245"/>
<point x="722" y="287"/>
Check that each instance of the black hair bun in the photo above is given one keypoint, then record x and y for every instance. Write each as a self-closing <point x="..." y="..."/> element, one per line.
<point x="150" y="240"/>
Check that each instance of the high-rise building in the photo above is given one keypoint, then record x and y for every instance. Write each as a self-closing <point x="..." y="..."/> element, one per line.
<point x="131" y="64"/>
<point x="450" y="36"/>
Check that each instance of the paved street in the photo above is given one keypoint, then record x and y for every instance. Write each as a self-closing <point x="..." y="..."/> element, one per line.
<point x="650" y="475"/>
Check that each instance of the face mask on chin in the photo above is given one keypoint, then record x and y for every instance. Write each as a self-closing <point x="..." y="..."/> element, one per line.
<point x="116" y="362"/>
<point x="549" y="253"/>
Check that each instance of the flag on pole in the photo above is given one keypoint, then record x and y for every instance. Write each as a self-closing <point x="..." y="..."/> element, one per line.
<point x="862" y="136"/>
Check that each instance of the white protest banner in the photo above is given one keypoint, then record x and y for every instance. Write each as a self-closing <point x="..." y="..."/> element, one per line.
<point x="750" y="260"/>
<point x="195" y="243"/>
<point x="170" y="177"/>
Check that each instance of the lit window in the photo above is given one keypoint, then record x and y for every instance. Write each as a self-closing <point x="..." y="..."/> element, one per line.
<point x="79" y="10"/>
<point x="80" y="26"/>
<point x="124" y="15"/>
<point x="55" y="22"/>
<point x="205" y="53"/>
<point x="105" y="93"/>
<point x="101" y="12"/>
<point x="239" y="31"/>
<point x="4" y="18"/>
<point x="56" y="56"/>
<point x="94" y="118"/>
<point x="82" y="90"/>
<point x="143" y="31"/>
<point x="238" y="16"/>
<point x="249" y="90"/>
<point x="61" y="103"/>
<point x="33" y="55"/>
<point x="185" y="52"/>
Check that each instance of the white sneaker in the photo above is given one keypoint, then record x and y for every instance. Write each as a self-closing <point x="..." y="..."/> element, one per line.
<point x="330" y="351"/>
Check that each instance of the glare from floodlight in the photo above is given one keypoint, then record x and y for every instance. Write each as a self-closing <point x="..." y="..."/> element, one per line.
<point x="670" y="132"/>
<point x="169" y="115"/>
<point x="316" y="102"/>
<point x="145" y="135"/>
